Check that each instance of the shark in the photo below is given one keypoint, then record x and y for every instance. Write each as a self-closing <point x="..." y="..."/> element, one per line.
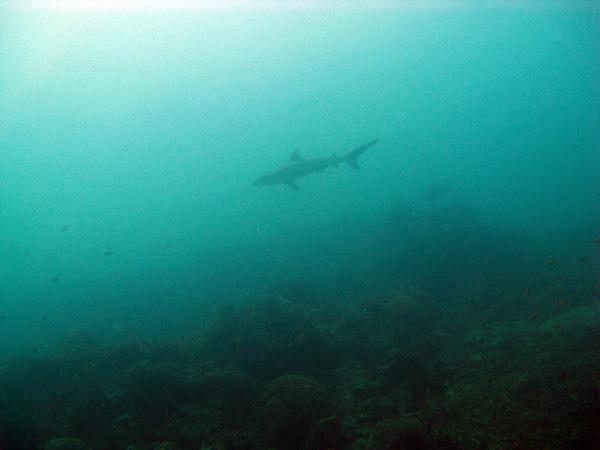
<point x="298" y="167"/>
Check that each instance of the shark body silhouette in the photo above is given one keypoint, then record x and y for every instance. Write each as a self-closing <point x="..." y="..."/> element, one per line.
<point x="298" y="167"/>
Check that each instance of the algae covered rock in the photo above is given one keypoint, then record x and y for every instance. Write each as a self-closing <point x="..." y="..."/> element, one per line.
<point x="153" y="405"/>
<point x="292" y="406"/>
<point x="228" y="392"/>
<point x="399" y="433"/>
<point x="165" y="446"/>
<point x="328" y="434"/>
<point x="65" y="443"/>
<point x="271" y="337"/>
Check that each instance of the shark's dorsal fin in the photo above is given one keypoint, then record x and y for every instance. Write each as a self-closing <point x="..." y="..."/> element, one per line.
<point x="295" y="156"/>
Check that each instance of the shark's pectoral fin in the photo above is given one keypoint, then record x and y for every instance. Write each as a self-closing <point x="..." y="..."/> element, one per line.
<point x="292" y="184"/>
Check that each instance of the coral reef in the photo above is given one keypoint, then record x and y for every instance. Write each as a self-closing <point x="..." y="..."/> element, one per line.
<point x="392" y="370"/>
<point x="291" y="408"/>
<point x="65" y="444"/>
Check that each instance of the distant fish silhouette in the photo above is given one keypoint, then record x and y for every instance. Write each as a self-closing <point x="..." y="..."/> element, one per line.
<point x="108" y="252"/>
<point x="56" y="279"/>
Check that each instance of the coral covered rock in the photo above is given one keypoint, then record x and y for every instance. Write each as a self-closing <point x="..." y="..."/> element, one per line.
<point x="292" y="406"/>
<point x="399" y="433"/>
<point x="269" y="338"/>
<point x="65" y="443"/>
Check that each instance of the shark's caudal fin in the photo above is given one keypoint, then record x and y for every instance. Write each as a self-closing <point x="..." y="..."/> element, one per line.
<point x="352" y="156"/>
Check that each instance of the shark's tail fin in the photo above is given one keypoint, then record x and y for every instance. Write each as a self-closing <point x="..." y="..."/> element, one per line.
<point x="352" y="156"/>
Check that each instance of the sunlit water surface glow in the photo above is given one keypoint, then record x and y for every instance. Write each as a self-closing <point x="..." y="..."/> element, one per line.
<point x="186" y="5"/>
<point x="234" y="4"/>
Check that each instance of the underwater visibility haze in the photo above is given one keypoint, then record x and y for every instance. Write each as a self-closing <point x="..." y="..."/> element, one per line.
<point x="299" y="225"/>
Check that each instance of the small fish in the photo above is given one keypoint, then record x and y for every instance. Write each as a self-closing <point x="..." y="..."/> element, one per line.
<point x="56" y="279"/>
<point x="35" y="350"/>
<point x="64" y="228"/>
<point x="2" y="317"/>
<point x="44" y="317"/>
<point x="526" y="292"/>
<point x="582" y="259"/>
<point x="108" y="253"/>
<point x="550" y="262"/>
<point x="533" y="317"/>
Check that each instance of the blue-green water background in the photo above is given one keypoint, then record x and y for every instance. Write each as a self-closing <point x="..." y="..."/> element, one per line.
<point x="129" y="141"/>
